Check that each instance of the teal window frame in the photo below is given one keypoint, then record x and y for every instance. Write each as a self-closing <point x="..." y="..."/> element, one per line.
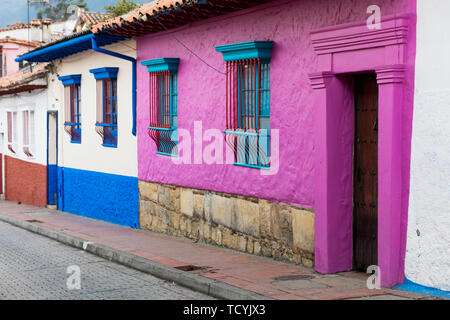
<point x="164" y="134"/>
<point x="245" y="55"/>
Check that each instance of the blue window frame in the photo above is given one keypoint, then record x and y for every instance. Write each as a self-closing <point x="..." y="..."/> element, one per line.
<point x="248" y="102"/>
<point x="107" y="107"/>
<point x="163" y="106"/>
<point x="72" y="101"/>
<point x="252" y="147"/>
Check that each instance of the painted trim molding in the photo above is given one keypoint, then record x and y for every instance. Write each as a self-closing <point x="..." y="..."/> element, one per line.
<point x="356" y="35"/>
<point x="104" y="73"/>
<point x="342" y="51"/>
<point x="162" y="64"/>
<point x="246" y="50"/>
<point x="70" y="79"/>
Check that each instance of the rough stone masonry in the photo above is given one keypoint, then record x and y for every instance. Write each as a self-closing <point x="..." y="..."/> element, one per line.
<point x="247" y="224"/>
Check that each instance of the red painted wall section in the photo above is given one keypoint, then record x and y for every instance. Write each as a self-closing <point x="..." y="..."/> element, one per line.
<point x="25" y="182"/>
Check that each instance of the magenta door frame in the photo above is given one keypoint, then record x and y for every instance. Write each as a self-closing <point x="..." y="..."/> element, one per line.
<point x="344" y="50"/>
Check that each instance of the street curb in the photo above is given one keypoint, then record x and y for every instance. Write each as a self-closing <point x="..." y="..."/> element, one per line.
<point x="192" y="281"/>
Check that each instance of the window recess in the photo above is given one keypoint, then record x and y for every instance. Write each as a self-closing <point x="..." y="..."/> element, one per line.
<point x="12" y="131"/>
<point x="107" y="110"/>
<point x="163" y="94"/>
<point x="72" y="106"/>
<point x="248" y="102"/>
<point x="28" y="132"/>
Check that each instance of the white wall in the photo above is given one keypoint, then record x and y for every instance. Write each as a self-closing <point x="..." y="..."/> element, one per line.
<point x="428" y="244"/>
<point x="37" y="34"/>
<point x="18" y="34"/>
<point x="36" y="101"/>
<point x="90" y="154"/>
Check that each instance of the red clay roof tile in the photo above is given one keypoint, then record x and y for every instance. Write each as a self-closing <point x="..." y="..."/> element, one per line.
<point x="137" y="22"/>
<point x="21" y="42"/>
<point x="22" y="77"/>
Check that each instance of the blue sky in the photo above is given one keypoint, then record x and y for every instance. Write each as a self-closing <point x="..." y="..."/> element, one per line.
<point x="12" y="11"/>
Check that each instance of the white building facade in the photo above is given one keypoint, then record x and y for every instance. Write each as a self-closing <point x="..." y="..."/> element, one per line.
<point x="23" y="133"/>
<point x="428" y="242"/>
<point x="96" y="176"/>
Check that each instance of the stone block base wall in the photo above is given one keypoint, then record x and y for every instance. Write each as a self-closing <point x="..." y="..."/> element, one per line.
<point x="247" y="224"/>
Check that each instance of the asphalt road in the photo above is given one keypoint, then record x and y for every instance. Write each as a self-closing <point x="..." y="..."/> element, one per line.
<point x="33" y="267"/>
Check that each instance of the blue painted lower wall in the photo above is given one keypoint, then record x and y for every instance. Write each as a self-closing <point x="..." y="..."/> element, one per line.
<point x="51" y="183"/>
<point x="101" y="196"/>
<point x="408" y="285"/>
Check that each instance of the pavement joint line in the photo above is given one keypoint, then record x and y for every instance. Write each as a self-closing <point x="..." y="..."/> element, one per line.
<point x="192" y="281"/>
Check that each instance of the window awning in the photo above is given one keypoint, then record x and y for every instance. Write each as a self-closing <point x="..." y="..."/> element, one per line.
<point x="69" y="46"/>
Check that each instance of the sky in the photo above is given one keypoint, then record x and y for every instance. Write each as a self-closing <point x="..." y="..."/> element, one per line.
<point x="12" y="11"/>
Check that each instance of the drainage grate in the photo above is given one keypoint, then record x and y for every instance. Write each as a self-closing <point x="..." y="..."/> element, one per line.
<point x="33" y="221"/>
<point x="190" y="268"/>
<point x="294" y="277"/>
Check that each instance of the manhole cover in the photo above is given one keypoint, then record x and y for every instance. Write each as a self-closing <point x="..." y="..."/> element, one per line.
<point x="190" y="268"/>
<point x="33" y="221"/>
<point x="294" y="277"/>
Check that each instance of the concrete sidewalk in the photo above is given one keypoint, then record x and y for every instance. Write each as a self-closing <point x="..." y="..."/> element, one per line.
<point x="216" y="271"/>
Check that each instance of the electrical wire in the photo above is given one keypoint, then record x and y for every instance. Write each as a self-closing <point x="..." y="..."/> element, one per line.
<point x="190" y="50"/>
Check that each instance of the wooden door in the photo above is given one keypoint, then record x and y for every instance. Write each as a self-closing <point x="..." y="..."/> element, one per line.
<point x="365" y="176"/>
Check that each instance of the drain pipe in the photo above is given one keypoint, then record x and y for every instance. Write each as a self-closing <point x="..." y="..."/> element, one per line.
<point x="134" y="76"/>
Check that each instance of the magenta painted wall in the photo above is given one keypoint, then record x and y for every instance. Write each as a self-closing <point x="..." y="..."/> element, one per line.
<point x="201" y="94"/>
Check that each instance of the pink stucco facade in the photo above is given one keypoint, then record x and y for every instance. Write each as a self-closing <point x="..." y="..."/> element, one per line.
<point x="10" y="51"/>
<point x="294" y="108"/>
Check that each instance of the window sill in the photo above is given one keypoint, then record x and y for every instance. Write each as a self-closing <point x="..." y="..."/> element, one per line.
<point x="241" y="133"/>
<point x="109" y="145"/>
<point x="105" y="125"/>
<point x="252" y="166"/>
<point x="167" y="154"/>
<point x="249" y="133"/>
<point x="162" y="129"/>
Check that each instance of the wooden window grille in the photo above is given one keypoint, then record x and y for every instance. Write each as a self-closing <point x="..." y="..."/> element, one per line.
<point x="163" y="111"/>
<point x="106" y="122"/>
<point x="248" y="112"/>
<point x="72" y="112"/>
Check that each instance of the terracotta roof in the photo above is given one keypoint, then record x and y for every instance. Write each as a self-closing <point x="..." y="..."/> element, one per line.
<point x="91" y="18"/>
<point x="17" y="25"/>
<point x="21" y="42"/>
<point x="20" y="25"/>
<point x="38" y="22"/>
<point x="160" y="15"/>
<point x="20" y="81"/>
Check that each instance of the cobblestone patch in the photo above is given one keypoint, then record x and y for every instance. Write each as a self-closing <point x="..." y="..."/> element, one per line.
<point x="33" y="267"/>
